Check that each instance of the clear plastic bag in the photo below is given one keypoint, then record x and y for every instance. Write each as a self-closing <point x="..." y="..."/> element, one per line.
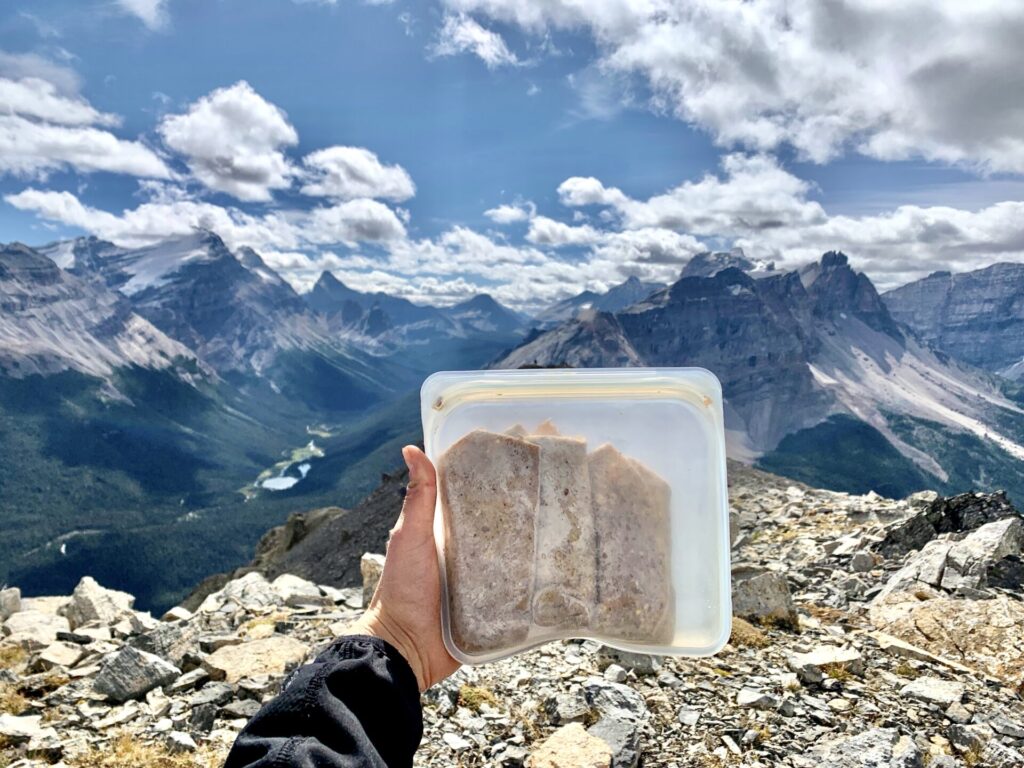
<point x="580" y="503"/>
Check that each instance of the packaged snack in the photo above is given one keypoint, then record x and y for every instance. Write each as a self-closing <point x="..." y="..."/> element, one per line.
<point x="580" y="503"/>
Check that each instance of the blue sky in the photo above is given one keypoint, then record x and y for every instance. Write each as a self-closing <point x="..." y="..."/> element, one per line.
<point x="489" y="102"/>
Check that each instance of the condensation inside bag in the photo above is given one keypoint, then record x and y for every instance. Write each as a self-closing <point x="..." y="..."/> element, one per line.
<point x="546" y="538"/>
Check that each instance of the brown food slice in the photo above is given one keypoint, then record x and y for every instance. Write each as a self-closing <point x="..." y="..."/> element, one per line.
<point x="566" y="561"/>
<point x="489" y="495"/>
<point x="546" y="428"/>
<point x="631" y="521"/>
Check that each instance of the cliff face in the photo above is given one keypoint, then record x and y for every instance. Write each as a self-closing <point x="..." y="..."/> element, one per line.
<point x="975" y="316"/>
<point x="794" y="349"/>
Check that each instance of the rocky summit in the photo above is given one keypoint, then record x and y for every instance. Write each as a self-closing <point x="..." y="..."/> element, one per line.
<point x="869" y="633"/>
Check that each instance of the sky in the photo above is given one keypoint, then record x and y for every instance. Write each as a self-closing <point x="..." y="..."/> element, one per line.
<point x="525" y="148"/>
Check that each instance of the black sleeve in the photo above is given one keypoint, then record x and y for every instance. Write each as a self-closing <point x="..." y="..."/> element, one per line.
<point x="356" y="704"/>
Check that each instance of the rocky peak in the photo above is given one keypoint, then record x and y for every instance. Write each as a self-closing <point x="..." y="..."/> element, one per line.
<point x="23" y="264"/>
<point x="836" y="290"/>
<point x="708" y="263"/>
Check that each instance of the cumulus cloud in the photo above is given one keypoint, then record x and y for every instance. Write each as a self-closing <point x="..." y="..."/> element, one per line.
<point x="232" y="141"/>
<point x="44" y="128"/>
<point x="821" y="77"/>
<point x="462" y="34"/>
<point x="152" y="13"/>
<point x="354" y="221"/>
<point x="510" y="214"/>
<point x="545" y="231"/>
<point x="347" y="173"/>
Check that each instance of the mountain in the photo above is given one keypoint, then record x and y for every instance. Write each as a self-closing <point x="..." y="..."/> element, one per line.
<point x="975" y="316"/>
<point x="483" y="315"/>
<point x="53" y="321"/>
<point x="423" y="338"/>
<point x="614" y="299"/>
<point x="709" y="263"/>
<point x="820" y="381"/>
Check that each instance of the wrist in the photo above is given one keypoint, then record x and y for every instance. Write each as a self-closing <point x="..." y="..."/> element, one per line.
<point x="374" y="625"/>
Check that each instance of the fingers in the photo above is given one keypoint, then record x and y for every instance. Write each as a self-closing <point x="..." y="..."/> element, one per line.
<point x="421" y="494"/>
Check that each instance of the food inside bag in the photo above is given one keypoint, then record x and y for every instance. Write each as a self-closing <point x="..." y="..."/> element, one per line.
<point x="580" y="503"/>
<point x="546" y="538"/>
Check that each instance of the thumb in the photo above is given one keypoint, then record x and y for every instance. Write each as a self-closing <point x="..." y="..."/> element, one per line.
<point x="420" y="495"/>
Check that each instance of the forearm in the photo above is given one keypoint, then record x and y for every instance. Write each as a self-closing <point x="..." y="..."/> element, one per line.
<point x="357" y="704"/>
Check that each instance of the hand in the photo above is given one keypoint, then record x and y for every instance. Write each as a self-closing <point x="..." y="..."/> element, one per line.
<point x="406" y="607"/>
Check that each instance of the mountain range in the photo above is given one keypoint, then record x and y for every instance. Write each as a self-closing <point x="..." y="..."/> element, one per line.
<point x="161" y="407"/>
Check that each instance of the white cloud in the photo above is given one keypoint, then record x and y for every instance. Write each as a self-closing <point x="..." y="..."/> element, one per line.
<point x="918" y="78"/>
<point x="18" y="66"/>
<point x="354" y="221"/>
<point x="510" y="214"/>
<point x="232" y="140"/>
<point x="545" y="231"/>
<point x="346" y="173"/>
<point x="29" y="148"/>
<point x="462" y="34"/>
<point x="152" y="13"/>
<point x="40" y="99"/>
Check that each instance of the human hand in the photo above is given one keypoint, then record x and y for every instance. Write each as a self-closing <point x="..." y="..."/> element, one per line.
<point x="406" y="607"/>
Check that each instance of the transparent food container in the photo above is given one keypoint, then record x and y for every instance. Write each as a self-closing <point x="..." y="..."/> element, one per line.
<point x="586" y="503"/>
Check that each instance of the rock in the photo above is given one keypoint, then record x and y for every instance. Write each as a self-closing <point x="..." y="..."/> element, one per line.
<point x="614" y="700"/>
<point x="813" y="666"/>
<point x="59" y="655"/>
<point x="639" y="663"/>
<point x="567" y="707"/>
<point x="955" y="514"/>
<point x="268" y="656"/>
<point x="987" y="635"/>
<point x="52" y="604"/>
<point x="33" y="629"/>
<point x="10" y="602"/>
<point x="933" y="690"/>
<point x="295" y="591"/>
<point x="623" y="738"/>
<point x="862" y="562"/>
<point x="91" y="602"/>
<point x="371" y="566"/>
<point x="132" y="673"/>
<point x="212" y="693"/>
<point x="571" y="747"/>
<point x="874" y="748"/>
<point x="179" y="742"/>
<point x="20" y="729"/>
<point x="754" y="699"/>
<point x="968" y="561"/>
<point x="177" y="613"/>
<point x="242" y="708"/>
<point x="202" y="718"/>
<point x="688" y="716"/>
<point x="614" y="673"/>
<point x="1001" y="724"/>
<point x="169" y="641"/>
<point x="191" y="679"/>
<point x="958" y="713"/>
<point x="251" y="592"/>
<point x="455" y="742"/>
<point x="760" y="594"/>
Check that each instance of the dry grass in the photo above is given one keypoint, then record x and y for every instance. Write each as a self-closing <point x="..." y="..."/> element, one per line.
<point x="472" y="697"/>
<point x="12" y="656"/>
<point x="746" y="635"/>
<point x="127" y="751"/>
<point x="11" y="700"/>
<point x="905" y="669"/>
<point x="838" y="671"/>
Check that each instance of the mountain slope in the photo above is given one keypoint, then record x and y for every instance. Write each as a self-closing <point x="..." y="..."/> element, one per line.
<point x="975" y="316"/>
<point x="51" y="321"/>
<point x="795" y="350"/>
<point x="614" y="299"/>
